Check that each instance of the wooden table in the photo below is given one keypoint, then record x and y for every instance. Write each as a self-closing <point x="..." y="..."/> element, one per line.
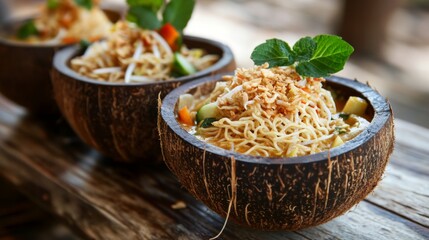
<point x="101" y="199"/>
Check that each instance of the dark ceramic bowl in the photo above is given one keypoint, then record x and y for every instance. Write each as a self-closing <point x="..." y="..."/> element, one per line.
<point x="119" y="119"/>
<point x="25" y="70"/>
<point x="280" y="193"/>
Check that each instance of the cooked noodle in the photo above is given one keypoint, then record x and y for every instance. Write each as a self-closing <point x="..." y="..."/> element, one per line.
<point x="132" y="54"/>
<point x="273" y="112"/>
<point x="69" y="23"/>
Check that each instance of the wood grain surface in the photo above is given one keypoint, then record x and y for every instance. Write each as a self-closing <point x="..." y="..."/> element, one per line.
<point x="102" y="199"/>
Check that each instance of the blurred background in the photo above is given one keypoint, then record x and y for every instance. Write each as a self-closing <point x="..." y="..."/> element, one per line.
<point x="391" y="40"/>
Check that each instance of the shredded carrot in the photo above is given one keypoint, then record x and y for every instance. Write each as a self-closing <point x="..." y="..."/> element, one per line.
<point x="170" y="34"/>
<point x="70" y="40"/>
<point x="185" y="116"/>
<point x="94" y="38"/>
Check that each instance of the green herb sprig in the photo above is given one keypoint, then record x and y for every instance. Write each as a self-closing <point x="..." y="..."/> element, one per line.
<point x="147" y="13"/>
<point x="319" y="56"/>
<point x="27" y="29"/>
<point x="84" y="3"/>
<point x="52" y="4"/>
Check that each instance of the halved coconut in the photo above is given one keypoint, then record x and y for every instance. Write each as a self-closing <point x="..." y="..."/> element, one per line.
<point x="280" y="193"/>
<point x="25" y="69"/>
<point x="119" y="119"/>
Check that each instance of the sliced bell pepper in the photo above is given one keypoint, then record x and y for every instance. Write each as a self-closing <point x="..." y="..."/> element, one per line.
<point x="170" y="34"/>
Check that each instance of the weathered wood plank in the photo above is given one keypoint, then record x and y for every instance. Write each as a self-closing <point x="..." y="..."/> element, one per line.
<point x="405" y="194"/>
<point x="412" y="135"/>
<point x="106" y="200"/>
<point x="366" y="221"/>
<point x="412" y="147"/>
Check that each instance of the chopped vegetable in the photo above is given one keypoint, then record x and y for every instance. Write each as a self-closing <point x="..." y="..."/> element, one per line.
<point x="175" y="13"/>
<point x="52" y="4"/>
<point x="84" y="3"/>
<point x="355" y="105"/>
<point x="27" y="29"/>
<point x="208" y="111"/>
<point x="185" y="116"/>
<point x="185" y="100"/>
<point x="207" y="122"/>
<point x="170" y="34"/>
<point x="337" y="142"/>
<point x="344" y="116"/>
<point x="340" y="130"/>
<point x="182" y="65"/>
<point x="84" y="44"/>
<point x="69" y="40"/>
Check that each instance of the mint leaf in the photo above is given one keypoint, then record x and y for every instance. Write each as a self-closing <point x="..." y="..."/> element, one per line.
<point x="52" y="4"/>
<point x="329" y="57"/>
<point x="155" y="5"/>
<point x="178" y="13"/>
<point x="313" y="57"/>
<point x="275" y="52"/>
<point x="27" y="29"/>
<point x="84" y="3"/>
<point x="144" y="17"/>
<point x="304" y="49"/>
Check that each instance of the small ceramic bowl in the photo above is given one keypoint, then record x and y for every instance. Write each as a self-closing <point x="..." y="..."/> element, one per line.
<point x="119" y="119"/>
<point x="25" y="70"/>
<point x="280" y="193"/>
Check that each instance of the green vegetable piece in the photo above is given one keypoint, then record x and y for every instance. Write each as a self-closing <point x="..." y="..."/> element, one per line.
<point x="340" y="130"/>
<point x="185" y="100"/>
<point x="155" y="5"/>
<point x="27" y="29"/>
<point x="84" y="44"/>
<point x="52" y="4"/>
<point x="178" y="13"/>
<point x="144" y="17"/>
<point x="182" y="65"/>
<point x="208" y="111"/>
<point x="304" y="49"/>
<point x="274" y="51"/>
<point x="207" y="122"/>
<point x="344" y="116"/>
<point x="84" y="3"/>
<point x="329" y="57"/>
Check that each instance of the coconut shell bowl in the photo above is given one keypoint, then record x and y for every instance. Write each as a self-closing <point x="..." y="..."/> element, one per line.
<point x="25" y="69"/>
<point x="280" y="193"/>
<point x="120" y="119"/>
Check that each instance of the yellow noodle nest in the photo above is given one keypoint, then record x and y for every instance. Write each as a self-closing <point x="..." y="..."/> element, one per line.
<point x="132" y="54"/>
<point x="273" y="112"/>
